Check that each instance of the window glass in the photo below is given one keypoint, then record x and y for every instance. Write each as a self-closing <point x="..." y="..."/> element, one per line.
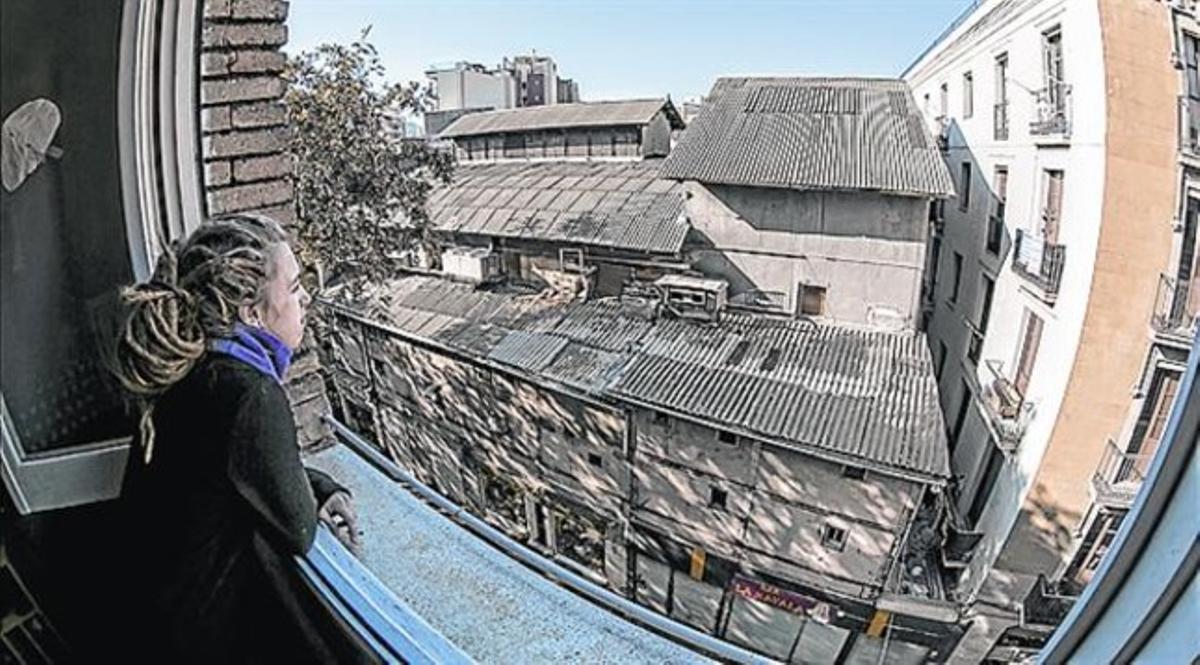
<point x="63" y="245"/>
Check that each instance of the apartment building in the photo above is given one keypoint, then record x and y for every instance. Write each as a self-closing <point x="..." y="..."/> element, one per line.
<point x="1061" y="308"/>
<point x="517" y="82"/>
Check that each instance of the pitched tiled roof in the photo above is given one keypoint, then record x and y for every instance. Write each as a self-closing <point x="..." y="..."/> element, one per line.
<point x="622" y="205"/>
<point x="812" y="133"/>
<point x="852" y="395"/>
<point x="562" y="116"/>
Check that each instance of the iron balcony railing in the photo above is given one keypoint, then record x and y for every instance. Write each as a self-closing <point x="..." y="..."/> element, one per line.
<point x="1006" y="409"/>
<point x="1119" y="476"/>
<point x="1000" y="121"/>
<point x="1189" y="124"/>
<point x="1052" y="110"/>
<point x="1172" y="315"/>
<point x="1039" y="261"/>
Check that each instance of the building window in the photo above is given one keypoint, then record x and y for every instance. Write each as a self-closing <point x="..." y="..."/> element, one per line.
<point x="1031" y="339"/>
<point x="968" y="95"/>
<point x="854" y="472"/>
<point x="717" y="498"/>
<point x="944" y="107"/>
<point x="811" y="300"/>
<point x="1191" y="64"/>
<point x="596" y="460"/>
<point x="985" y="308"/>
<point x="833" y="537"/>
<point x="1000" y="119"/>
<point x="995" y="231"/>
<point x="728" y="438"/>
<point x="956" y="285"/>
<point x="964" y="194"/>
<point x="960" y="419"/>
<point x="1052" y="194"/>
<point x="659" y="418"/>
<point x="986" y="484"/>
<point x="1052" y="67"/>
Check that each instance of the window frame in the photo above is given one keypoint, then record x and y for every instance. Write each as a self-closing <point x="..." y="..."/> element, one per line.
<point x="161" y="194"/>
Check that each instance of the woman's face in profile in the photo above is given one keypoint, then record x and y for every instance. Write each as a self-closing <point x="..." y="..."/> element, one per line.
<point x="282" y="310"/>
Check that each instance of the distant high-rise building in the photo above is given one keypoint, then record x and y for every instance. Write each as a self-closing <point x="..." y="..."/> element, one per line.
<point x="524" y="80"/>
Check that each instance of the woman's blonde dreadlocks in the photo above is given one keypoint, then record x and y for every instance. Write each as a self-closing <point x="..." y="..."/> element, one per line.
<point x="195" y="293"/>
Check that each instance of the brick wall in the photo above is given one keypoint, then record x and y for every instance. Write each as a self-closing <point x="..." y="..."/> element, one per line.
<point x="244" y="133"/>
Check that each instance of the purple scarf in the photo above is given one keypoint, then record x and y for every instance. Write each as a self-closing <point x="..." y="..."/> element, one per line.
<point x="258" y="348"/>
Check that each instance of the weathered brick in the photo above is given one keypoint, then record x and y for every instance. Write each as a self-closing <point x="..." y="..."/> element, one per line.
<point x="215" y="119"/>
<point x="217" y="8"/>
<point x="226" y="35"/>
<point x="251" y="88"/>
<point x="262" y="168"/>
<point x="284" y="214"/>
<point x="261" y="114"/>
<point x="238" y="144"/>
<point x="260" y="9"/>
<point x="214" y="63"/>
<point x="217" y="174"/>
<point x="249" y="197"/>
<point x="255" y="61"/>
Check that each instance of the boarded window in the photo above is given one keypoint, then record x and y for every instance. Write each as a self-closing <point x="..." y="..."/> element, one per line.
<point x="811" y="301"/>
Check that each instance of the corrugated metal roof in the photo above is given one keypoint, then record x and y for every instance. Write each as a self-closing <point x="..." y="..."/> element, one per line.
<point x="561" y="116"/>
<point x="811" y="133"/>
<point x="621" y="205"/>
<point x="847" y="393"/>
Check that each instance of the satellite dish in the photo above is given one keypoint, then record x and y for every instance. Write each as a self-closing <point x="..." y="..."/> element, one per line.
<point x="28" y="132"/>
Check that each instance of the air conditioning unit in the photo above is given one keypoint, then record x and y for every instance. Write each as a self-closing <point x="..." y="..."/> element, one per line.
<point x="472" y="264"/>
<point x="693" y="297"/>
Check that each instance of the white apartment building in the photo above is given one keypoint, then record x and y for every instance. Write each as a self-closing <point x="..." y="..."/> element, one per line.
<point x="466" y="85"/>
<point x="1056" y="322"/>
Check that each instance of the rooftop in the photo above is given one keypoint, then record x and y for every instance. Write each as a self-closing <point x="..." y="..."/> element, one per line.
<point x="812" y="133"/>
<point x="850" y="395"/>
<point x="623" y="205"/>
<point x="562" y="116"/>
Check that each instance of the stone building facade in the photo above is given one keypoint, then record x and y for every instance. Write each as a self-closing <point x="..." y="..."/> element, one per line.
<point x="550" y="420"/>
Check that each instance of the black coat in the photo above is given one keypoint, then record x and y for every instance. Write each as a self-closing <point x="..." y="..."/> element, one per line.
<point x="215" y="520"/>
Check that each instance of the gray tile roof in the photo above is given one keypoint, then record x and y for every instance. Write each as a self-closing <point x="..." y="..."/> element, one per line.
<point x="848" y="394"/>
<point x="623" y="205"/>
<point x="812" y="133"/>
<point x="562" y="116"/>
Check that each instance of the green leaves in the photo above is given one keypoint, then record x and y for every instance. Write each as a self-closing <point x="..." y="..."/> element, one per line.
<point x="360" y="193"/>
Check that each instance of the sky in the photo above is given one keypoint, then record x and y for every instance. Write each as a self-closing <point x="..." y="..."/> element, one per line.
<point x="623" y="49"/>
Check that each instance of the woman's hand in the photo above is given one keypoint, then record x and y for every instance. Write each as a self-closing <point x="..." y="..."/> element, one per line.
<point x="338" y="513"/>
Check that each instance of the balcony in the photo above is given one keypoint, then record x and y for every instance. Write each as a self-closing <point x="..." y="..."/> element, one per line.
<point x="1000" y="121"/>
<point x="1052" y="111"/>
<point x="1173" y="319"/>
<point x="1119" y="476"/>
<point x="1007" y="411"/>
<point x="1189" y="125"/>
<point x="1039" y="262"/>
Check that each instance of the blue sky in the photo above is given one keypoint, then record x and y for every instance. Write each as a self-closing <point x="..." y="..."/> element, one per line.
<point x="623" y="48"/>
